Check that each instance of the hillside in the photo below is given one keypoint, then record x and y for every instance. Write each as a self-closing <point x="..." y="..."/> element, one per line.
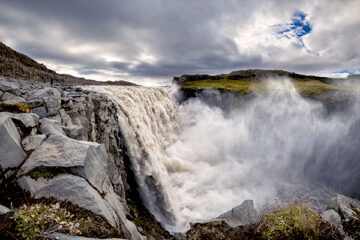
<point x="254" y="81"/>
<point x="19" y="66"/>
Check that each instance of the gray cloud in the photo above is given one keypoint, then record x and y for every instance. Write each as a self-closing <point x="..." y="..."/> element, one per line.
<point x="159" y="39"/>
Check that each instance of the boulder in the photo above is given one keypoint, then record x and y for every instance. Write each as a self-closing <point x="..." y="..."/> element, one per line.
<point x="50" y="126"/>
<point x="78" y="191"/>
<point x="51" y="97"/>
<point x="40" y="111"/>
<point x="11" y="151"/>
<point x="87" y="159"/>
<point x="32" y="142"/>
<point x="241" y="215"/>
<point x="27" y="120"/>
<point x="9" y="98"/>
<point x="4" y="210"/>
<point x="7" y="85"/>
<point x="332" y="217"/>
<point x="344" y="206"/>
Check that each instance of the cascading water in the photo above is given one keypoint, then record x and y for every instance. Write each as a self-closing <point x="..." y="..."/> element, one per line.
<point x="198" y="160"/>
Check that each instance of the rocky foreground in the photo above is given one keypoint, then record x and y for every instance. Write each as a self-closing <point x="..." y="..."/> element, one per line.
<point x="64" y="143"/>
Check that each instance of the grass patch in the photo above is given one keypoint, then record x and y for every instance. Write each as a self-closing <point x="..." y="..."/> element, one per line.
<point x="47" y="172"/>
<point x="38" y="220"/>
<point x="295" y="222"/>
<point x="15" y="108"/>
<point x="307" y="88"/>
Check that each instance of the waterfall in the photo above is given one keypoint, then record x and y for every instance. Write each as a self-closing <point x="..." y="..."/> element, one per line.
<point x="148" y="118"/>
<point x="195" y="161"/>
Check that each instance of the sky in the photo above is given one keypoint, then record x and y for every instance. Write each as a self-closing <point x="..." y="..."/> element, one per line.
<point x="149" y="42"/>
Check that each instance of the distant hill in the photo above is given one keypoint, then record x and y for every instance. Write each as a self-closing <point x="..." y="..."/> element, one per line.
<point x="19" y="66"/>
<point x="254" y="81"/>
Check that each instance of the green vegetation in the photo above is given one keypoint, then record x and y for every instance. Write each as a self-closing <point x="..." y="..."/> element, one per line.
<point x="46" y="172"/>
<point x="38" y="220"/>
<point x="255" y="81"/>
<point x="15" y="108"/>
<point x="294" y="222"/>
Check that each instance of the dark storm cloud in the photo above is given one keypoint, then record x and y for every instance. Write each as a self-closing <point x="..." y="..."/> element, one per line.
<point x="160" y="39"/>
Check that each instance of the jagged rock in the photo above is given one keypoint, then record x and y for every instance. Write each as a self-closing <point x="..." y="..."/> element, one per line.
<point x="61" y="236"/>
<point x="9" y="98"/>
<point x="85" y="158"/>
<point x="11" y="151"/>
<point x="50" y="126"/>
<point x="27" y="120"/>
<point x="4" y="210"/>
<point x="333" y="217"/>
<point x="72" y="131"/>
<point x="7" y="85"/>
<point x="40" y="111"/>
<point x="32" y="142"/>
<point x="343" y="205"/>
<point x="78" y="191"/>
<point x="241" y="215"/>
<point x="51" y="97"/>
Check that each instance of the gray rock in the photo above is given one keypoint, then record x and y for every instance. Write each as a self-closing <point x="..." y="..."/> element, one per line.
<point x="27" y="120"/>
<point x="61" y="236"/>
<point x="7" y="85"/>
<point x="40" y="111"/>
<point x="77" y="190"/>
<point x="49" y="126"/>
<point x="333" y="217"/>
<point x="87" y="159"/>
<point x="71" y="188"/>
<point x="32" y="142"/>
<point x="343" y="205"/>
<point x="4" y="210"/>
<point x="72" y="131"/>
<point x="51" y="97"/>
<point x="9" y="98"/>
<point x="11" y="151"/>
<point x="241" y="215"/>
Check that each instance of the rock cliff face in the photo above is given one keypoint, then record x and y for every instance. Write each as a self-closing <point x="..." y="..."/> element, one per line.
<point x="70" y="148"/>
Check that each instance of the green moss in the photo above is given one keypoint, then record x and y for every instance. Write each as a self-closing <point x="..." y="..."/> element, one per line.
<point x="15" y="108"/>
<point x="46" y="172"/>
<point x="294" y="222"/>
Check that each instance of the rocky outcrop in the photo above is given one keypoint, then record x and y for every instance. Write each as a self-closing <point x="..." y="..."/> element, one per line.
<point x="70" y="148"/>
<point x="11" y="151"/>
<point x="344" y="213"/>
<point x="241" y="215"/>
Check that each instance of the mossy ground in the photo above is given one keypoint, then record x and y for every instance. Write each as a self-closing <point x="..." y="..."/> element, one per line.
<point x="307" y="87"/>
<point x="15" y="108"/>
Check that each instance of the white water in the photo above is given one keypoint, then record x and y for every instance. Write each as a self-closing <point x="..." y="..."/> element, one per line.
<point x="198" y="160"/>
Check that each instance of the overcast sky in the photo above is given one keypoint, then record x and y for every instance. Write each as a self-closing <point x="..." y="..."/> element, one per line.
<point x="151" y="41"/>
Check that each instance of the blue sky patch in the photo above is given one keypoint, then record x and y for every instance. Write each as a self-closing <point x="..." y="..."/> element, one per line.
<point x="346" y="71"/>
<point x="297" y="28"/>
